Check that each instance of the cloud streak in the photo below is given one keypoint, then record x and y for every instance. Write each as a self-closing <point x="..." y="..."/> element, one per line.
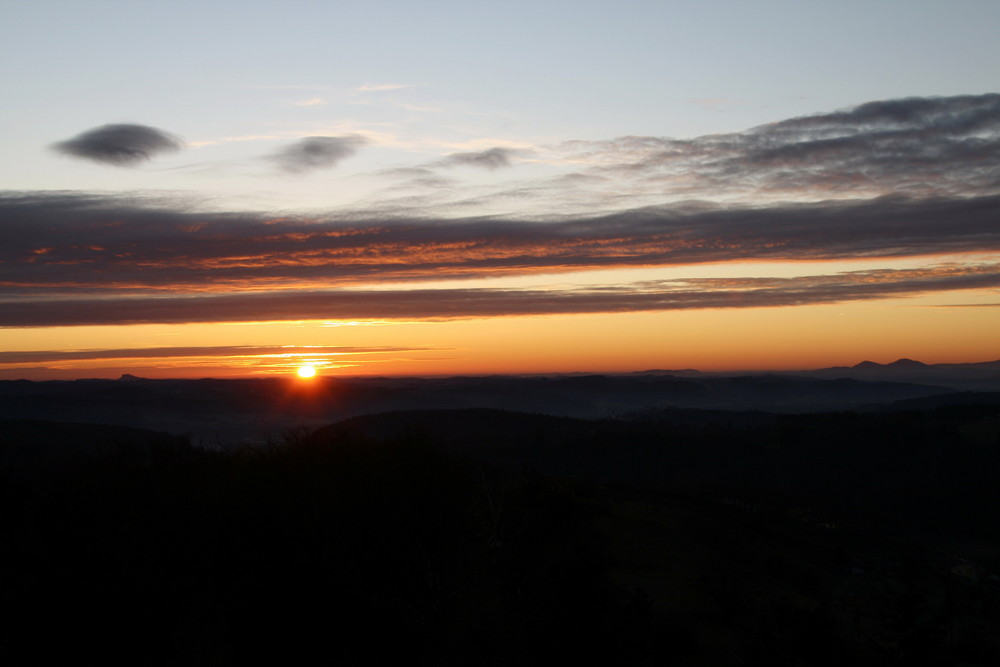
<point x="443" y="304"/>
<point x="490" y="159"/>
<point x="122" y="145"/>
<point x="55" y="243"/>
<point x="57" y="356"/>
<point x="379" y="87"/>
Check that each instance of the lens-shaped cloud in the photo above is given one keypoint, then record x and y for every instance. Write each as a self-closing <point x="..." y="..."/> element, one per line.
<point x="121" y="145"/>
<point x="491" y="159"/>
<point x="311" y="153"/>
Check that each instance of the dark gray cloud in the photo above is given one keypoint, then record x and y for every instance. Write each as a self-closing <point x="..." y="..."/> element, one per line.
<point x="442" y="304"/>
<point x="123" y="145"/>
<point x="491" y="159"/>
<point x="918" y="146"/>
<point x="74" y="244"/>
<point x="311" y="153"/>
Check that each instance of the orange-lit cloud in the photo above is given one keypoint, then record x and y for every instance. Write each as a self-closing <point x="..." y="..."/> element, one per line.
<point x="440" y="304"/>
<point x="60" y="243"/>
<point x="216" y="360"/>
<point x="242" y="351"/>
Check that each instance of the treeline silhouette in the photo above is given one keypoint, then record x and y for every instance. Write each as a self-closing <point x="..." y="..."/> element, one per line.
<point x="345" y="551"/>
<point x="485" y="537"/>
<point x="910" y="470"/>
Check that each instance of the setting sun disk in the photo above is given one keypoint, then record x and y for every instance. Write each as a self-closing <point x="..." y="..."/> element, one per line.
<point x="306" y="371"/>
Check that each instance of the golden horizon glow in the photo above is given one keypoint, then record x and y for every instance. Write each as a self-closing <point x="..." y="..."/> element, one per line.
<point x="776" y="338"/>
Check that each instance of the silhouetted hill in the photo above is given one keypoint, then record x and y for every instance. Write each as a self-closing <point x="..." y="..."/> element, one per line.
<point x="907" y="363"/>
<point x="733" y="515"/>
<point x="492" y="537"/>
<point x="927" y="469"/>
<point x="952" y="400"/>
<point x="982" y="376"/>
<point x="232" y="411"/>
<point x="30" y="444"/>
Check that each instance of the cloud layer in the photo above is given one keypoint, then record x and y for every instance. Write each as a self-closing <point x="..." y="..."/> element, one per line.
<point x="442" y="304"/>
<point x="281" y="351"/>
<point x="916" y="177"/>
<point x="77" y="243"/>
<point x="122" y="145"/>
<point x="918" y="146"/>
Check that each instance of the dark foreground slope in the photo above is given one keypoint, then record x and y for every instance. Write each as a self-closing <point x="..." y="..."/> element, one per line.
<point x="345" y="552"/>
<point x="924" y="469"/>
<point x="497" y="538"/>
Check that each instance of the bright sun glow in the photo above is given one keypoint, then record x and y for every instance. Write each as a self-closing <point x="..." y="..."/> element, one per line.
<point x="306" y="371"/>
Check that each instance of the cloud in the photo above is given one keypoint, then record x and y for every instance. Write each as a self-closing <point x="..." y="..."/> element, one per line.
<point x="74" y="244"/>
<point x="312" y="153"/>
<point x="407" y="172"/>
<point x="916" y="146"/>
<point x="57" y="356"/>
<point x="440" y="304"/>
<point x="490" y="159"/>
<point x="916" y="177"/>
<point x="123" y="145"/>
<point x="377" y="87"/>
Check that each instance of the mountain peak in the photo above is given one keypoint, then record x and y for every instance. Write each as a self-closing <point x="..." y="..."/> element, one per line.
<point x="907" y="363"/>
<point x="899" y="364"/>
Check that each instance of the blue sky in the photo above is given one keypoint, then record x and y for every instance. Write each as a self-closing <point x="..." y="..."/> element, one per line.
<point x="423" y="79"/>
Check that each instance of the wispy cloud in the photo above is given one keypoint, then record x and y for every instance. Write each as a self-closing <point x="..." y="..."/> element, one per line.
<point x="280" y="351"/>
<point x="441" y="304"/>
<point x="122" y="145"/>
<point x="918" y="146"/>
<point x="378" y="87"/>
<point x="311" y="102"/>
<point x="490" y="159"/>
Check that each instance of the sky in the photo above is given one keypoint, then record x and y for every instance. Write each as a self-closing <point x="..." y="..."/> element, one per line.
<point x="233" y="189"/>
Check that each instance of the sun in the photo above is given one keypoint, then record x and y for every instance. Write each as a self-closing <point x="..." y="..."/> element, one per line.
<point x="306" y="371"/>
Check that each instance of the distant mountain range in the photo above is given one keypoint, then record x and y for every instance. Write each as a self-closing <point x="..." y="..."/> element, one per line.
<point x="982" y="376"/>
<point x="258" y="410"/>
<point x="977" y="376"/>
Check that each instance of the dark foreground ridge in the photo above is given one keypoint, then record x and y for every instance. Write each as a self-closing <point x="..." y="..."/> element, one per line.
<point x="492" y="537"/>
